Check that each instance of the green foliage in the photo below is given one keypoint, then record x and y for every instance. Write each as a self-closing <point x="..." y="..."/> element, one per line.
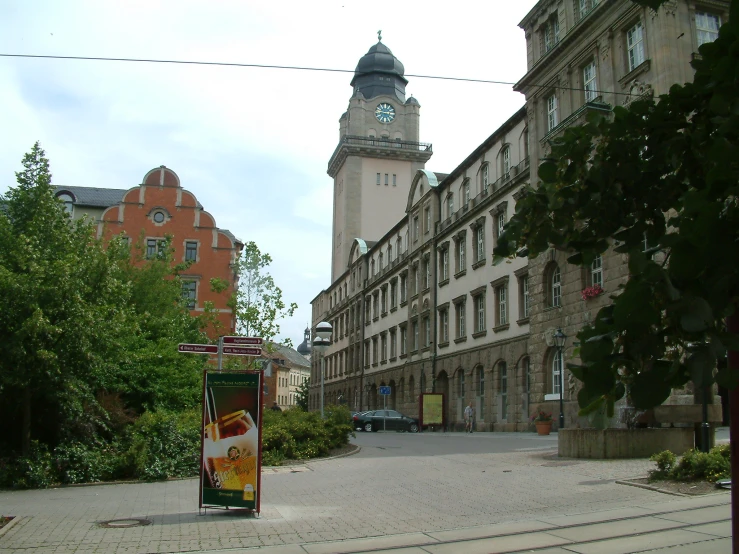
<point x="32" y="471"/>
<point x="165" y="444"/>
<point x="258" y="303"/>
<point x="693" y="465"/>
<point x="301" y="399"/>
<point x="656" y="178"/>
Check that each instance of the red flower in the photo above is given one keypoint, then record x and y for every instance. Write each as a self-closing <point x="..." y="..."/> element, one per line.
<point x="592" y="292"/>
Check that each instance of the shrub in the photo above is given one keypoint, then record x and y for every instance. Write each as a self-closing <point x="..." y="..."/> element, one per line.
<point x="81" y="463"/>
<point x="164" y="444"/>
<point x="694" y="465"/>
<point x="35" y="471"/>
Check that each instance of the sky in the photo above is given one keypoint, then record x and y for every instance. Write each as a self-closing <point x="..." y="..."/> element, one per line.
<point x="252" y="144"/>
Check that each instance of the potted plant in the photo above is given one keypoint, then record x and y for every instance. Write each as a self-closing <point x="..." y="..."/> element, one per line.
<point x="543" y="422"/>
<point x="591" y="292"/>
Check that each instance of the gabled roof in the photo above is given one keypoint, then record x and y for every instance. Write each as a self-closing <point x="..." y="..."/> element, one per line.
<point x="290" y="354"/>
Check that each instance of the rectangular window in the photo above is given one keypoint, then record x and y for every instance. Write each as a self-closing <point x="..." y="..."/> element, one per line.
<point x="589" y="83"/>
<point x="384" y="348"/>
<point x="189" y="293"/>
<point x="403" y="340"/>
<point x="151" y="248"/>
<point x="444" y="326"/>
<point x="462" y="255"/>
<point x="393" y="295"/>
<point x="706" y="26"/>
<point x="403" y="288"/>
<point x="466" y="191"/>
<point x="552" y="120"/>
<point x="506" y="164"/>
<point x="461" y="331"/>
<point x="427" y="218"/>
<point x="445" y="265"/>
<point x="374" y="350"/>
<point x="393" y="344"/>
<point x="635" y="45"/>
<point x="480" y="313"/>
<point x="427" y="331"/>
<point x="426" y="273"/>
<point x="485" y="178"/>
<point x="480" y="238"/>
<point x="596" y="272"/>
<point x="383" y="301"/>
<point x="415" y="228"/>
<point x="191" y="251"/>
<point x="499" y="224"/>
<point x="502" y="296"/>
<point x="525" y="295"/>
<point x="375" y="304"/>
<point x="395" y="180"/>
<point x="378" y="178"/>
<point x="387" y="179"/>
<point x="415" y="335"/>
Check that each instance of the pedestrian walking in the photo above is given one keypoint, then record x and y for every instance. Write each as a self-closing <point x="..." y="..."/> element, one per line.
<point x="469" y="418"/>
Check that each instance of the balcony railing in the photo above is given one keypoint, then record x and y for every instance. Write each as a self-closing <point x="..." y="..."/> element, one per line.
<point x="355" y="140"/>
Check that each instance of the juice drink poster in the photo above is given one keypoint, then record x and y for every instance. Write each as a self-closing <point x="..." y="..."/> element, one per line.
<point x="231" y="439"/>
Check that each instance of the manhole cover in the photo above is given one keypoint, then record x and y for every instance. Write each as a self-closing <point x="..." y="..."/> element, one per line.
<point x="124" y="523"/>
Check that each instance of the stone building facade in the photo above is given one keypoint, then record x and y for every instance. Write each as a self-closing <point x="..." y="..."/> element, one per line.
<point x="425" y="307"/>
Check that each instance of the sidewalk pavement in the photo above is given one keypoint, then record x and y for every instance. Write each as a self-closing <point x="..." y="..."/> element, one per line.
<point x="524" y="500"/>
<point x="681" y="526"/>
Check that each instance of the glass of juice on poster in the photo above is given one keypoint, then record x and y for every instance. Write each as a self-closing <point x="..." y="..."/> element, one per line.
<point x="231" y="447"/>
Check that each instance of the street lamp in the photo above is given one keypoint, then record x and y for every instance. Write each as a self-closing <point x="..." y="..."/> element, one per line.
<point x="559" y="341"/>
<point x="320" y="344"/>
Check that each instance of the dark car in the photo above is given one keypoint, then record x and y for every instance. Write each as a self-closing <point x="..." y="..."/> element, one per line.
<point x="385" y="420"/>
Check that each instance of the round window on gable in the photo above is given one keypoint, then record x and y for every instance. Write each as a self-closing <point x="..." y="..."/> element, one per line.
<point x="159" y="217"/>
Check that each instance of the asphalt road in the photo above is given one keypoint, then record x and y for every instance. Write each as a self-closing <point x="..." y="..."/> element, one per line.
<point x="390" y="443"/>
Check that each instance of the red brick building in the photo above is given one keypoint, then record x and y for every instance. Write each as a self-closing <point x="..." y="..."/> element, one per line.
<point x="159" y="208"/>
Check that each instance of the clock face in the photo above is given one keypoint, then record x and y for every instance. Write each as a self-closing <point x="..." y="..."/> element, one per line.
<point x="385" y="113"/>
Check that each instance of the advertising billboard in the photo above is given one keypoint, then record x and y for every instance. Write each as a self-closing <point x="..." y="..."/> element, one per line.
<point x="432" y="409"/>
<point x="231" y="438"/>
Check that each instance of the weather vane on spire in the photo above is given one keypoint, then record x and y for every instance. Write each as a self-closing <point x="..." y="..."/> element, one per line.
<point x="379" y="35"/>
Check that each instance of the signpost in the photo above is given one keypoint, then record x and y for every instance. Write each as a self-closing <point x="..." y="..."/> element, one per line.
<point x="385" y="392"/>
<point x="197" y="348"/>
<point x="246" y="346"/>
<point x="255" y="341"/>
<point x="242" y="351"/>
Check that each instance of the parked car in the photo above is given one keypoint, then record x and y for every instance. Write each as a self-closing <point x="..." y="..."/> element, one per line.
<point x="389" y="420"/>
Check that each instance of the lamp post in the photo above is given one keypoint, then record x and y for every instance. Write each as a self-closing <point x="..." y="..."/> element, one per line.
<point x="320" y="344"/>
<point x="559" y="341"/>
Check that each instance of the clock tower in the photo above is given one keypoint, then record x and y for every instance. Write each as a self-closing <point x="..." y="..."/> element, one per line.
<point x="377" y="156"/>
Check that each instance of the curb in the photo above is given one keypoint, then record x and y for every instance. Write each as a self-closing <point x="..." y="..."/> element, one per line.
<point x="5" y="528"/>
<point x="663" y="491"/>
<point x="356" y="450"/>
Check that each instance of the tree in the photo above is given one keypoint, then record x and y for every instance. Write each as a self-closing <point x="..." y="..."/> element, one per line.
<point x="302" y="395"/>
<point x="63" y="309"/>
<point x="257" y="303"/>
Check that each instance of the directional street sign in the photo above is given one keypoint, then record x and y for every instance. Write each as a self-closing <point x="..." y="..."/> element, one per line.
<point x="198" y="348"/>
<point x="385" y="391"/>
<point x="242" y="351"/>
<point x="256" y="341"/>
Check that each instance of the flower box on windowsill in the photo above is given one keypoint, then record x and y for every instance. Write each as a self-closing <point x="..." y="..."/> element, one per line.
<point x="592" y="292"/>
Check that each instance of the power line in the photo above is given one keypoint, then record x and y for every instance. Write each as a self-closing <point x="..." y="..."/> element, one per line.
<point x="291" y="67"/>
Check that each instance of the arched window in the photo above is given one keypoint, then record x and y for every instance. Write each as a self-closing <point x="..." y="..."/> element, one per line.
<point x="557" y="371"/>
<point x="389" y="253"/>
<point x="554" y="286"/>
<point x="485" y="178"/>
<point x="380" y="260"/>
<point x="464" y="193"/>
<point x="68" y="202"/>
<point x="460" y="383"/>
<point x="505" y="162"/>
<point x="481" y="392"/>
<point x="450" y="204"/>
<point x="372" y="264"/>
<point x="503" y="383"/>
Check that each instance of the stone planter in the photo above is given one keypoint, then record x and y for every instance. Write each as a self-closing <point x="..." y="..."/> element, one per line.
<point x="623" y="443"/>
<point x="543" y="427"/>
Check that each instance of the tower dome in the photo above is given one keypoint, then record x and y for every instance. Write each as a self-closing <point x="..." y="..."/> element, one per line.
<point x="304" y="347"/>
<point x="379" y="72"/>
